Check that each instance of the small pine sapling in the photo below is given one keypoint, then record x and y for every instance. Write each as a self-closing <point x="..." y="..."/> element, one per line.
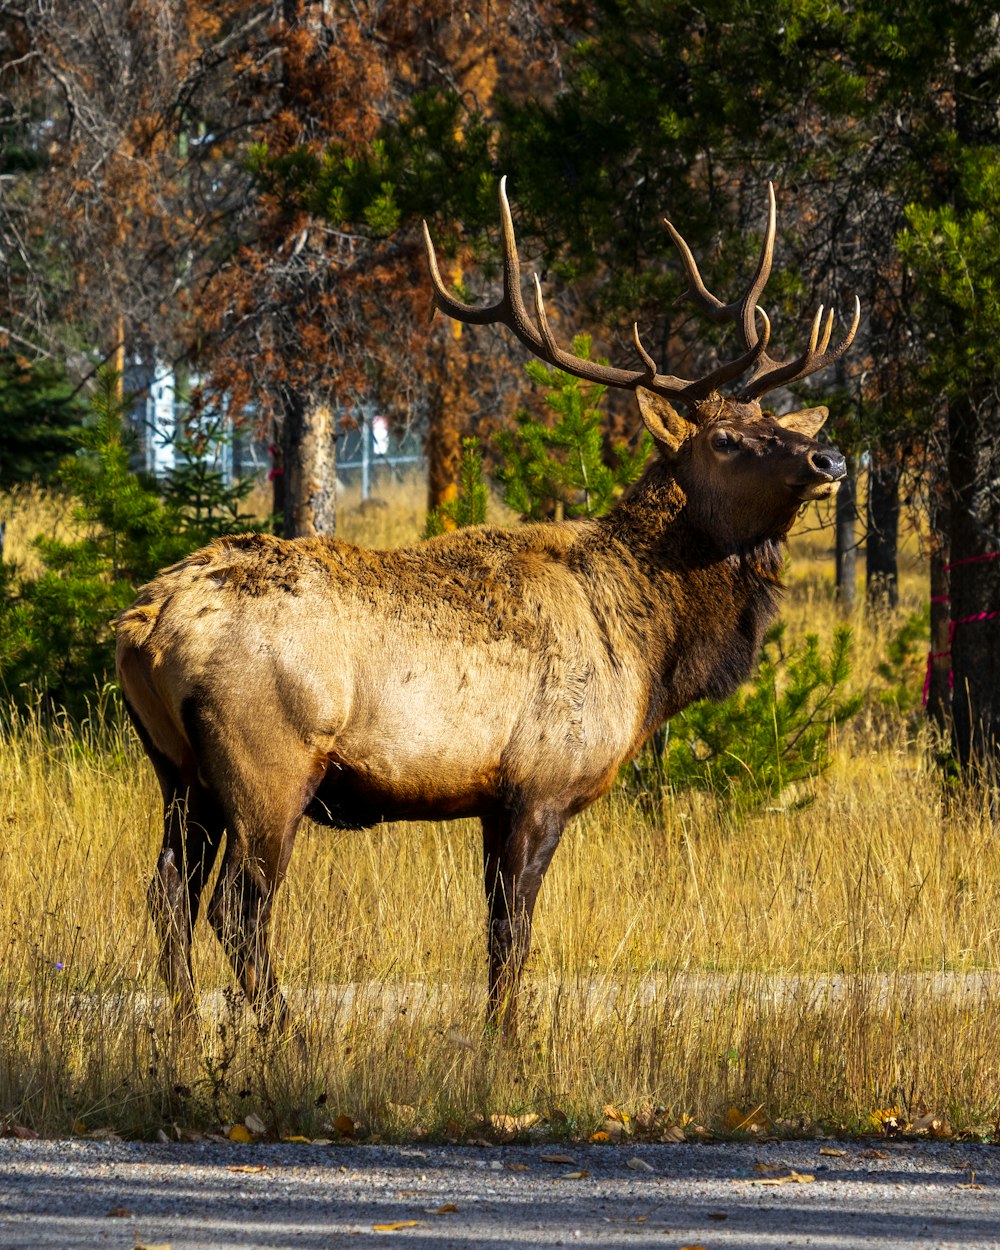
<point x="196" y="489"/>
<point x="59" y="642"/>
<point x="469" y="505"/>
<point x="771" y="734"/>
<point x="556" y="470"/>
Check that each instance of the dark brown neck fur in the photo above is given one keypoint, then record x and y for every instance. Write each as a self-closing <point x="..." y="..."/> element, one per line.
<point x="701" y="610"/>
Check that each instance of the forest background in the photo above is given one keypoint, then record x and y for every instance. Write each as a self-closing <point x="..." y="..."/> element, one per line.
<point x="237" y="189"/>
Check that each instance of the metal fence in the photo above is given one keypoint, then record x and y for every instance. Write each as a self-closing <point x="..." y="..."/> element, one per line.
<point x="366" y="448"/>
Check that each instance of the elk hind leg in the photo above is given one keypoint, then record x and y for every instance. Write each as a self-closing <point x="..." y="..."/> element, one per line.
<point x="192" y="832"/>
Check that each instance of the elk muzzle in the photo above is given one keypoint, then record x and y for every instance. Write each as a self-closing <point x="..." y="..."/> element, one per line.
<point x="828" y="469"/>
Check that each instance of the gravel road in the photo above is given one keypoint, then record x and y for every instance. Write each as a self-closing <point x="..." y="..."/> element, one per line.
<point x="80" y="1195"/>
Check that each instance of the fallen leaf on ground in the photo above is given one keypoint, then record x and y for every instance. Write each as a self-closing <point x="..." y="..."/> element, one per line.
<point x="673" y="1134"/>
<point x="600" y="1136"/>
<point x="557" y="1158"/>
<point x="345" y="1125"/>
<point x="398" y="1224"/>
<point x="611" y="1112"/>
<point x="793" y="1178"/>
<point x="737" y="1120"/>
<point x="718" y="1215"/>
<point x="573" y="1176"/>
<point x="833" y="1151"/>
<point x="297" y="1138"/>
<point x="971" y="1182"/>
<point x="873" y="1154"/>
<point x="118" y="1213"/>
<point x="639" y="1165"/>
<point x="247" y="1167"/>
<point x="446" y="1208"/>
<point x="255" y="1124"/>
<point x="933" y="1125"/>
<point x="518" y="1167"/>
<point x="144" y="1245"/>
<point x="890" y="1120"/>
<point x="240" y="1133"/>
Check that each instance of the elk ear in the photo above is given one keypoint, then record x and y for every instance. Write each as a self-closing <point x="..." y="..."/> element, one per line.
<point x="663" y="420"/>
<point x="808" y="422"/>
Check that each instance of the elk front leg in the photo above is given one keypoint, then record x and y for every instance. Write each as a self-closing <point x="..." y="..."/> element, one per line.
<point x="192" y="832"/>
<point x="240" y="915"/>
<point x="517" y="848"/>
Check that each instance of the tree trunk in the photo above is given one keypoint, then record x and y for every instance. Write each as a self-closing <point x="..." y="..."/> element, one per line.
<point x="937" y="689"/>
<point x="444" y="450"/>
<point x="309" y="464"/>
<point x="881" y="545"/>
<point x="974" y="469"/>
<point x="846" y="548"/>
<point x="444" y="431"/>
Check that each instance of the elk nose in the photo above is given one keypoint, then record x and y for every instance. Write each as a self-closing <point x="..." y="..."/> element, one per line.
<point x="830" y="462"/>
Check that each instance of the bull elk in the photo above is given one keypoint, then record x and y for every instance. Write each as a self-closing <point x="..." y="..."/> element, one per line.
<point x="505" y="675"/>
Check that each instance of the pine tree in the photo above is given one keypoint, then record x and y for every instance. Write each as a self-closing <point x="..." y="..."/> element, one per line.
<point x="55" y="628"/>
<point x="471" y="500"/>
<point x="557" y="469"/>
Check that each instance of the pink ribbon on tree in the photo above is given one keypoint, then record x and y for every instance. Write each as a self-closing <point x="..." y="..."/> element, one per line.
<point x="953" y="625"/>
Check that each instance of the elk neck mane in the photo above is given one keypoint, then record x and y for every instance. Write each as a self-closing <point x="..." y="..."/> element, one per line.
<point x="700" y="610"/>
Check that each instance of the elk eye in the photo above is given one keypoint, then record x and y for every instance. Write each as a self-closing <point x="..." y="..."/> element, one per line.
<point x="724" y="442"/>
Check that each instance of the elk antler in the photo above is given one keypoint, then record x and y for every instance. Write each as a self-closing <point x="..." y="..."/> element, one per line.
<point x="768" y="373"/>
<point x="510" y="311"/>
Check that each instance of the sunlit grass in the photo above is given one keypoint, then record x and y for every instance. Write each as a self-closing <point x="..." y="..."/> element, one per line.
<point x="682" y="959"/>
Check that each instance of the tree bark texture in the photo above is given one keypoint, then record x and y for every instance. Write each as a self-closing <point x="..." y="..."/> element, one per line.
<point x="938" y="683"/>
<point x="444" y="426"/>
<point x="882" y="540"/>
<point x="974" y="470"/>
<point x="309" y="464"/>
<point x="846" y="546"/>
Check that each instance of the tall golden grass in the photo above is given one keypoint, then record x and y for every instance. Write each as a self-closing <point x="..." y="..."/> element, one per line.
<point x="814" y="965"/>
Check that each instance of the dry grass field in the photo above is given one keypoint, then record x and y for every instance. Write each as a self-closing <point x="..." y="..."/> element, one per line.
<point x="822" y="965"/>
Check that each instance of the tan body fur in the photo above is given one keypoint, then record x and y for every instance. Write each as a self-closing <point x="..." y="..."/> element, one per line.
<point x="504" y="661"/>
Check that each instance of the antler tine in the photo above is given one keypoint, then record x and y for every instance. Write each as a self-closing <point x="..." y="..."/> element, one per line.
<point x="509" y="310"/>
<point x="827" y="332"/>
<point x="774" y="373"/>
<point x="518" y="319"/>
<point x="548" y="338"/>
<point x="447" y="303"/>
<point x="748" y="305"/>
<point x="697" y="292"/>
<point x="644" y="356"/>
<point x="742" y="310"/>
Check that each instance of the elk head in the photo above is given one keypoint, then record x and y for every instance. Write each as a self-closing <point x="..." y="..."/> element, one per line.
<point x="744" y="470"/>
